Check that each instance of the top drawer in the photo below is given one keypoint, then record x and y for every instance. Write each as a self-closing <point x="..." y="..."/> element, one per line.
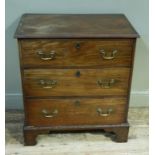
<point x="76" y="52"/>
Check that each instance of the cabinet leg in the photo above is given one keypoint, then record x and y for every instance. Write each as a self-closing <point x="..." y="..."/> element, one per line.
<point x="121" y="134"/>
<point x="30" y="138"/>
<point x="118" y="134"/>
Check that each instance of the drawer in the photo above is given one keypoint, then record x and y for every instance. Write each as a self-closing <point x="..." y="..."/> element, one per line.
<point x="51" y="112"/>
<point x="72" y="53"/>
<point x="73" y="82"/>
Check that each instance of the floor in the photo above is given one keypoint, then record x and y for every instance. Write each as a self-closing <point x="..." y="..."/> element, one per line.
<point x="90" y="143"/>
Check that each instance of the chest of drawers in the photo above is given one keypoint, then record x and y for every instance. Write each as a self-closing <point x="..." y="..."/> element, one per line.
<point x="76" y="73"/>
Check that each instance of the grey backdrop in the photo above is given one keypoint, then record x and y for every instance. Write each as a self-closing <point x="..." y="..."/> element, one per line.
<point x="135" y="10"/>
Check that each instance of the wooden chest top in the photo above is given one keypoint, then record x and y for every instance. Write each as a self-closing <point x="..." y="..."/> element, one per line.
<point x="75" y="26"/>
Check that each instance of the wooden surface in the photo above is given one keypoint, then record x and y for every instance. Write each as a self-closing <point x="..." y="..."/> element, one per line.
<point x="75" y="111"/>
<point x="68" y="84"/>
<point x="87" y="52"/>
<point x="88" y="143"/>
<point x="75" y="26"/>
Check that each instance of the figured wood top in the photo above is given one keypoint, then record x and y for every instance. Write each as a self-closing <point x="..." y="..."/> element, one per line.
<point x="75" y="26"/>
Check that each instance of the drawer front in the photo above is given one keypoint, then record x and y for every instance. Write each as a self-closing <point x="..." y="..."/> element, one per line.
<point x="72" y="82"/>
<point x="51" y="112"/>
<point x="57" y="53"/>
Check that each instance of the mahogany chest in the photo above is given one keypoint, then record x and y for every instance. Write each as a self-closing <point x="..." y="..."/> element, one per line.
<point x="76" y="73"/>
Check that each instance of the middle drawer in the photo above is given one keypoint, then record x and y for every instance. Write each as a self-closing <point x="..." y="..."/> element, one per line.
<point x="73" y="82"/>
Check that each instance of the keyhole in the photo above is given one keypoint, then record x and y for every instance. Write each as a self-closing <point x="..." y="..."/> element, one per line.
<point x="77" y="103"/>
<point x="77" y="46"/>
<point x="78" y="74"/>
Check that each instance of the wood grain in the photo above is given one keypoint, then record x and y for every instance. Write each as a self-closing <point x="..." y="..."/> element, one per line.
<point x="75" y="26"/>
<point x="68" y="84"/>
<point x="72" y="113"/>
<point x="86" y="52"/>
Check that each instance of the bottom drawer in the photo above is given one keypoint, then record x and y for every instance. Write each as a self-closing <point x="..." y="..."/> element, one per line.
<point x="57" y="112"/>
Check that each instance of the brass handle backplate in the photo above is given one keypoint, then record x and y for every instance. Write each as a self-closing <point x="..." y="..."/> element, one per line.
<point x="46" y="56"/>
<point x="108" y="55"/>
<point x="50" y="114"/>
<point x="105" y="113"/>
<point x="106" y="83"/>
<point x="47" y="83"/>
